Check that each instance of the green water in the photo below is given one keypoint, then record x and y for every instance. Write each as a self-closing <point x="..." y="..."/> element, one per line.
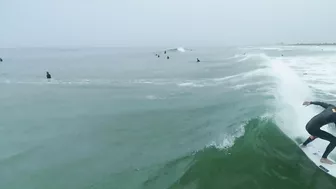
<point x="125" y="119"/>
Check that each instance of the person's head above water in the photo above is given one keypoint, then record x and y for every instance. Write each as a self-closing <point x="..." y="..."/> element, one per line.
<point x="48" y="75"/>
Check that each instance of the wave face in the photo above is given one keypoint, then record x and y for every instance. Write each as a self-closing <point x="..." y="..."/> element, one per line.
<point x="263" y="157"/>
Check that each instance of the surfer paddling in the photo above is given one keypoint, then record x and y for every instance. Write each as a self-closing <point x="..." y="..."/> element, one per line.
<point x="328" y="115"/>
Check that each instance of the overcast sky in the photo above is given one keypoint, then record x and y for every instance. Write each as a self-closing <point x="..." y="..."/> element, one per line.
<point x="25" y="23"/>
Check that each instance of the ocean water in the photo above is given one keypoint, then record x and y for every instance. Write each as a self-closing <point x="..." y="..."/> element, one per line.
<point x="122" y="118"/>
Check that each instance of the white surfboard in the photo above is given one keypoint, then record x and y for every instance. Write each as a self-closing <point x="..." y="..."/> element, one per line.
<point x="315" y="154"/>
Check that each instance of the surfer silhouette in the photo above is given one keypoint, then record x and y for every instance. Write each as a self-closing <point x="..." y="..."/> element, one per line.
<point x="48" y="75"/>
<point x="328" y="115"/>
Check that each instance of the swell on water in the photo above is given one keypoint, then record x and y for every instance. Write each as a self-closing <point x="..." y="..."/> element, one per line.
<point x="263" y="157"/>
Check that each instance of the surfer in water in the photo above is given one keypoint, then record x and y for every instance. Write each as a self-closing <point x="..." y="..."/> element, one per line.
<point x="48" y="75"/>
<point x="328" y="115"/>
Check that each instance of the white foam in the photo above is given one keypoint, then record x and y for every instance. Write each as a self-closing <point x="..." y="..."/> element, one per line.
<point x="292" y="91"/>
<point x="223" y="80"/>
<point x="178" y="49"/>
<point x="236" y="56"/>
<point x="190" y="84"/>
<point x="320" y="71"/>
<point x="320" y="78"/>
<point x="272" y="48"/>
<point x="228" y="140"/>
<point x="290" y="94"/>
<point x="154" y="97"/>
<point x="181" y="49"/>
<point x="251" y="84"/>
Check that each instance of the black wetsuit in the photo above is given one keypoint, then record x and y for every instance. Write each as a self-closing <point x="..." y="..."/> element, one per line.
<point x="48" y="75"/>
<point x="314" y="126"/>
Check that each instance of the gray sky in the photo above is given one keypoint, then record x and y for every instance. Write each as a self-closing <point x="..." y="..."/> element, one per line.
<point x="76" y="23"/>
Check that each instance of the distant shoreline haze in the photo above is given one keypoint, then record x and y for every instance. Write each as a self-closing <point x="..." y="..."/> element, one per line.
<point x="310" y="44"/>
